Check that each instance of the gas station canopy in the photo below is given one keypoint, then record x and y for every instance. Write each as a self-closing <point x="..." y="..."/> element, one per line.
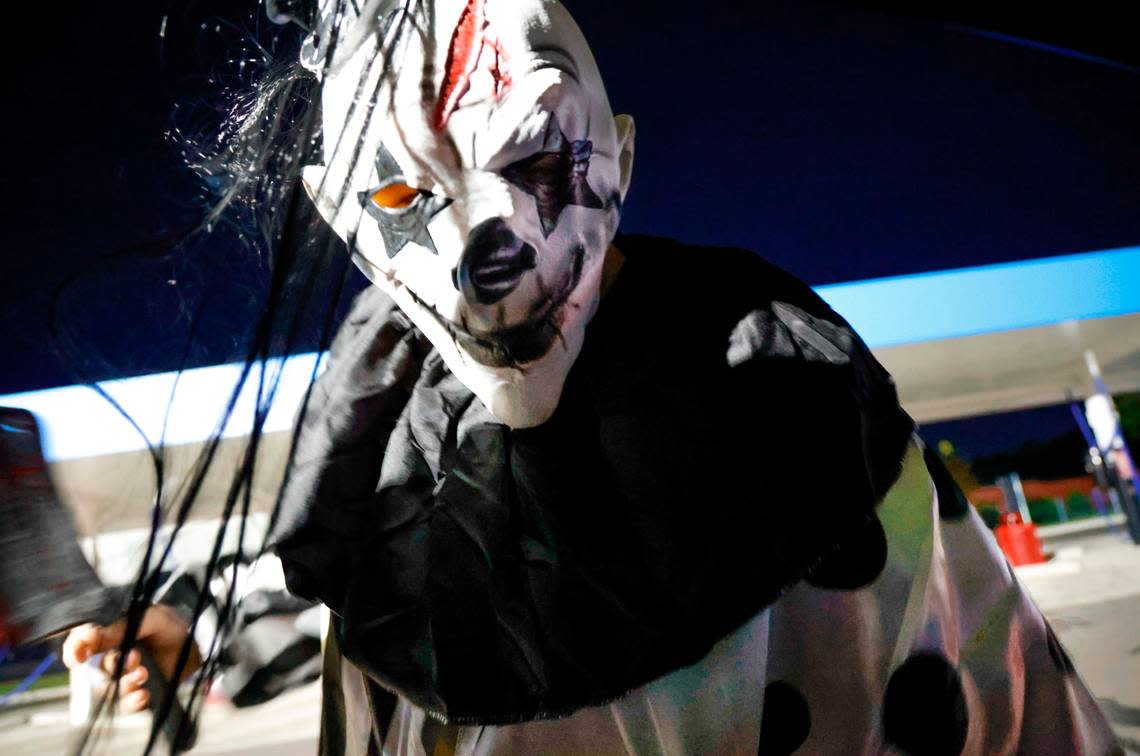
<point x="959" y="343"/>
<point x="995" y="338"/>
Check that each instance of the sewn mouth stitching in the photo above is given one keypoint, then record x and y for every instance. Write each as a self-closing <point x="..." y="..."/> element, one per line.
<point x="517" y="345"/>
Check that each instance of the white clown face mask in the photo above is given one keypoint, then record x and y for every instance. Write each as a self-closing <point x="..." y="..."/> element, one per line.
<point x="474" y="167"/>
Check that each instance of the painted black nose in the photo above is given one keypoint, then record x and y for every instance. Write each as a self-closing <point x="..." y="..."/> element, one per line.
<point x="493" y="262"/>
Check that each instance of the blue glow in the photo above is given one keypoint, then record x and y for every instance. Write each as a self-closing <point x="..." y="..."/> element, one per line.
<point x="1045" y="47"/>
<point x="28" y="681"/>
<point x="77" y="422"/>
<point x="989" y="298"/>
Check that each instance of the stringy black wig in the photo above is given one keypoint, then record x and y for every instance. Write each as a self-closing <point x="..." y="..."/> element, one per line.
<point x="249" y="163"/>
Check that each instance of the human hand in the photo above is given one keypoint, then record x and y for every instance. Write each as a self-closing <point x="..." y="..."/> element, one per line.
<point x="162" y="632"/>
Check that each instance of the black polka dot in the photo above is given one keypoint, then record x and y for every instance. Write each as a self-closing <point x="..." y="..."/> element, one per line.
<point x="952" y="503"/>
<point x="857" y="561"/>
<point x="786" y="722"/>
<point x="1057" y="652"/>
<point x="924" y="710"/>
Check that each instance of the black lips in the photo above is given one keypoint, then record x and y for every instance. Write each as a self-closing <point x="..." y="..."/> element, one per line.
<point x="493" y="262"/>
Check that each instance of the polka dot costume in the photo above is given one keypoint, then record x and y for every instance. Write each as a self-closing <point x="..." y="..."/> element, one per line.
<point x="899" y="661"/>
<point x="745" y="552"/>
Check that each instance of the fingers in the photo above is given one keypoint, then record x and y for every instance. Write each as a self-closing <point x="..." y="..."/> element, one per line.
<point x="111" y="661"/>
<point x="77" y="646"/>
<point x="133" y="695"/>
<point x="85" y="641"/>
<point x="159" y="624"/>
<point x="134" y="701"/>
<point x="162" y="631"/>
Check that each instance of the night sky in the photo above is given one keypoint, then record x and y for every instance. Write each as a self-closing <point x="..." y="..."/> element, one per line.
<point x="841" y="143"/>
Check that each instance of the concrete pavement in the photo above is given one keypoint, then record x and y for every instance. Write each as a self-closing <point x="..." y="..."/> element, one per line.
<point x="1090" y="591"/>
<point x="285" y="726"/>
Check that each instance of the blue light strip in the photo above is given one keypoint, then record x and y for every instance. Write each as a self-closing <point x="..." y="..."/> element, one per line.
<point x="1045" y="47"/>
<point x="989" y="298"/>
<point x="28" y="681"/>
<point x="76" y="422"/>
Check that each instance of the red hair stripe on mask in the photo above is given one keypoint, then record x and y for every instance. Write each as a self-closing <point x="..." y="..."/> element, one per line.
<point x="468" y="43"/>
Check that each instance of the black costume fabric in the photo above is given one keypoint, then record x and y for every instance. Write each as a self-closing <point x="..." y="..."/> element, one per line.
<point x="716" y="440"/>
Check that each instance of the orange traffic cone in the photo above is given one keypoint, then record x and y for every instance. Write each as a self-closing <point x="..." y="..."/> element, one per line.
<point x="1018" y="540"/>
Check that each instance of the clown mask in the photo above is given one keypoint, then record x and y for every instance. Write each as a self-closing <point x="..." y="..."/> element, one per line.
<point x="473" y="165"/>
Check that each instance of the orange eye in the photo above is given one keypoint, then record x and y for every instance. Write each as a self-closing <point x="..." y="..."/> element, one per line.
<point x="395" y="196"/>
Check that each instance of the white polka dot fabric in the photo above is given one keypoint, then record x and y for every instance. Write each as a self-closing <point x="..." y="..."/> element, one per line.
<point x="912" y="638"/>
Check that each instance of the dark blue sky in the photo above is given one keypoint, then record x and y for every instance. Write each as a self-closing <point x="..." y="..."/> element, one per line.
<point x="1005" y="431"/>
<point x="839" y="143"/>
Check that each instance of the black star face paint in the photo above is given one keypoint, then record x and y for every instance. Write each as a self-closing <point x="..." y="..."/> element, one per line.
<point x="402" y="212"/>
<point x="486" y="173"/>
<point x="556" y="176"/>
